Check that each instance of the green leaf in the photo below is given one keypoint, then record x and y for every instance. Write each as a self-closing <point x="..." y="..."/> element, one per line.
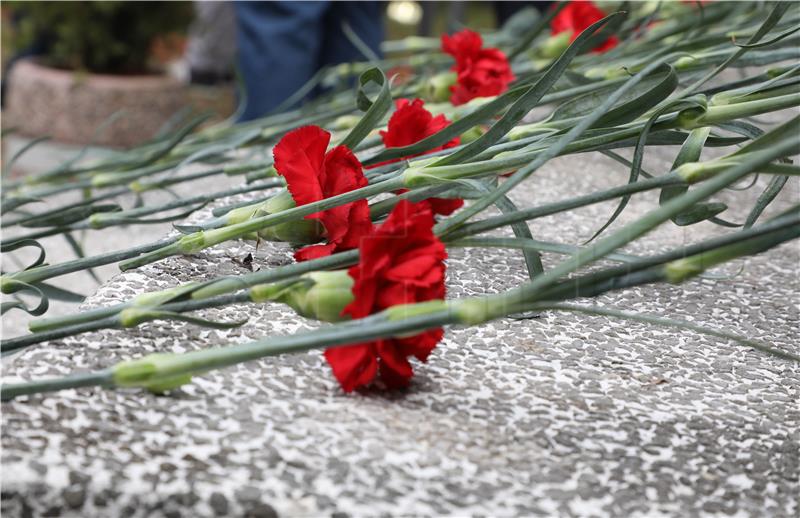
<point x="23" y="243"/>
<point x="770" y="192"/>
<point x="69" y="216"/>
<point x="374" y="110"/>
<point x="14" y="203"/>
<point x="15" y="286"/>
<point x="533" y="258"/>
<point x="642" y="103"/>
<point x="774" y="40"/>
<point x="56" y="293"/>
<point x="772" y="19"/>
<point x="27" y="147"/>
<point x="700" y="212"/>
<point x="638" y="156"/>
<point x="689" y="152"/>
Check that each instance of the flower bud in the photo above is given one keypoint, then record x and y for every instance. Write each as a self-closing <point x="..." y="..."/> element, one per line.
<point x="682" y="270"/>
<point x="693" y="172"/>
<point x="318" y="295"/>
<point x="345" y="122"/>
<point x="301" y="232"/>
<point x="685" y="62"/>
<point x="554" y="46"/>
<point x="437" y="88"/>
<point x="472" y="134"/>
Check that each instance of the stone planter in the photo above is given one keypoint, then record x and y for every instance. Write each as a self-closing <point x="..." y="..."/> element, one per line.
<point x="70" y="106"/>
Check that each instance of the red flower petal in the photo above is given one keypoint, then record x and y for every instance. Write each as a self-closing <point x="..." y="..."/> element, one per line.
<point x="445" y="206"/>
<point x="314" y="252"/>
<point x="463" y="46"/>
<point x="312" y="175"/>
<point x="401" y="262"/>
<point x="395" y="370"/>
<point x="409" y="124"/>
<point x="577" y="17"/>
<point x="298" y="158"/>
<point x="481" y="72"/>
<point x="352" y="365"/>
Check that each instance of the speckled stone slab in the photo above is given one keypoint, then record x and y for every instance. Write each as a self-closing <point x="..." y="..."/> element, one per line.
<point x="557" y="415"/>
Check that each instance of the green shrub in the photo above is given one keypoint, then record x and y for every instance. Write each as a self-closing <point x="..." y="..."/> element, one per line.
<point x="106" y="37"/>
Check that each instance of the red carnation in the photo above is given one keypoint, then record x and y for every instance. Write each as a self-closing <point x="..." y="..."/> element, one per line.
<point x="578" y="16"/>
<point x="481" y="72"/>
<point x="402" y="262"/>
<point x="409" y="124"/>
<point x="312" y="174"/>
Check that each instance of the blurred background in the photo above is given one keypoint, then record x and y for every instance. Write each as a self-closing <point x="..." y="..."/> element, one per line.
<point x="115" y="74"/>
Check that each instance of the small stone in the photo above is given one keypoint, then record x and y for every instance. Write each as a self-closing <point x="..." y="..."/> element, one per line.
<point x="74" y="496"/>
<point x="218" y="503"/>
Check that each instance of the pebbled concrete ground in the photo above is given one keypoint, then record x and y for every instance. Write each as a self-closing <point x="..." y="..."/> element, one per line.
<point x="558" y="415"/>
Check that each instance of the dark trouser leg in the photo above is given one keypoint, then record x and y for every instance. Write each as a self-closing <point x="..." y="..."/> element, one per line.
<point x="278" y="50"/>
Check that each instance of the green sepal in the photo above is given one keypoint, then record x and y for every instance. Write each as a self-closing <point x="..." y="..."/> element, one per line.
<point x="319" y="295"/>
<point x="157" y="373"/>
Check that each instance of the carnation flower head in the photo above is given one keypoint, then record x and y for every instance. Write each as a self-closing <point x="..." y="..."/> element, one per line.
<point x="410" y="123"/>
<point x="481" y="72"/>
<point x="402" y="262"/>
<point x="312" y="174"/>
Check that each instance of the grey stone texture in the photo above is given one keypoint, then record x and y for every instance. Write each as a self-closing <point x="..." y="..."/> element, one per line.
<point x="558" y="415"/>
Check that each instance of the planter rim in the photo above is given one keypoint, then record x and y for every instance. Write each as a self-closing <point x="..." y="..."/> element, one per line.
<point x="104" y="80"/>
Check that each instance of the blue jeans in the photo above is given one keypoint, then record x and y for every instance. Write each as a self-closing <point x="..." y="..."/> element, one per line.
<point x="282" y="44"/>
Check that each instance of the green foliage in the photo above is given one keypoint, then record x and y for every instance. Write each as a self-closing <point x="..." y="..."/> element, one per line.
<point x="106" y="37"/>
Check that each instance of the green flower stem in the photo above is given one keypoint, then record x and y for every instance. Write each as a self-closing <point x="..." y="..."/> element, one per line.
<point x="230" y="284"/>
<point x="633" y="272"/>
<point x="103" y="220"/>
<point x="505" y="162"/>
<point x="106" y="219"/>
<point x="124" y="315"/>
<point x="52" y="212"/>
<point x="727" y="112"/>
<point x="110" y="179"/>
<point x="683" y="269"/>
<point x="100" y="220"/>
<point x="535" y="244"/>
<point x="160" y="372"/>
<point x="485" y="310"/>
<point x="152" y="299"/>
<point x="193" y="243"/>
<point x="503" y="220"/>
<point x="41" y="273"/>
<point x="102" y="378"/>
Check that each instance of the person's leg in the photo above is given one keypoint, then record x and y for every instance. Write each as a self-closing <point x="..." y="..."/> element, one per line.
<point x="278" y="50"/>
<point x="366" y="20"/>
